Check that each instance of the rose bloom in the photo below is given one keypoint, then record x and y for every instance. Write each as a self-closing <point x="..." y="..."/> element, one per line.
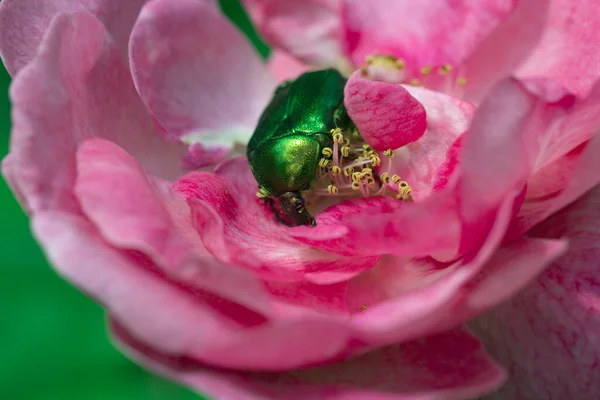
<point x="481" y="118"/>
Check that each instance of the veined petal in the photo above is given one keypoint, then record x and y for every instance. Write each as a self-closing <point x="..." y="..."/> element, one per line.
<point x="197" y="74"/>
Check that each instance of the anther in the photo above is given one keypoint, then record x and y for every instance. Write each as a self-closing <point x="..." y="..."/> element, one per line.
<point x="363" y="307"/>
<point x="426" y="70"/>
<point x="460" y="81"/>
<point x="445" y="69"/>
<point x="262" y="193"/>
<point x="332" y="189"/>
<point x="367" y="172"/>
<point x="389" y="153"/>
<point x="345" y="151"/>
<point x="400" y="64"/>
<point x="323" y="162"/>
<point x="356" y="176"/>
<point x="356" y="185"/>
<point x="414" y="82"/>
<point x="337" y="135"/>
<point x="405" y="191"/>
<point x="385" y="178"/>
<point x="395" y="178"/>
<point x="327" y="152"/>
<point x="335" y="170"/>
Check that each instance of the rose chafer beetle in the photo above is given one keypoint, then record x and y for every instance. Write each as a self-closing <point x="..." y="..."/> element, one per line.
<point x="293" y="130"/>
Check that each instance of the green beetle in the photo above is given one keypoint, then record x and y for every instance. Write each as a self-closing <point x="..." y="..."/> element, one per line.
<point x="293" y="130"/>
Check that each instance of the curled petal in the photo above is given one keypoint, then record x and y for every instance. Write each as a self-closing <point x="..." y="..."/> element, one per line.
<point x="436" y="33"/>
<point x="24" y="23"/>
<point x="556" y="318"/>
<point x="236" y="226"/>
<point x="569" y="51"/>
<point x="449" y="365"/>
<point x="53" y="114"/>
<point x="197" y="74"/>
<point x="309" y="30"/>
<point x="386" y="115"/>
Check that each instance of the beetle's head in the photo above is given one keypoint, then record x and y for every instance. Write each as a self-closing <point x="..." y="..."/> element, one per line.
<point x="292" y="206"/>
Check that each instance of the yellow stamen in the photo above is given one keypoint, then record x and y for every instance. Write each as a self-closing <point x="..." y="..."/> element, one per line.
<point x="323" y="162"/>
<point x="405" y="191"/>
<point x="332" y="189"/>
<point x="356" y="185"/>
<point x="356" y="176"/>
<point x="395" y="179"/>
<point x="426" y="70"/>
<point x="335" y="170"/>
<point x="345" y="151"/>
<point x="389" y="153"/>
<point x="460" y="81"/>
<point x="414" y="82"/>
<point x="262" y="193"/>
<point x="385" y="178"/>
<point x="327" y="152"/>
<point x="445" y="69"/>
<point x="348" y="171"/>
<point x="337" y="135"/>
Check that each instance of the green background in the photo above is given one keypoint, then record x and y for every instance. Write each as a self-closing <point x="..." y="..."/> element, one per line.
<point x="53" y="339"/>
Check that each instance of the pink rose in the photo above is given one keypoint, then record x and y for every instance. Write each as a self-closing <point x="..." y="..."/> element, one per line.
<point x="204" y="286"/>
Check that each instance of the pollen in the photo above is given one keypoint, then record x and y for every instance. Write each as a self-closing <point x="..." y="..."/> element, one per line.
<point x="351" y="168"/>
<point x="262" y="193"/>
<point x="426" y="70"/>
<point x="445" y="69"/>
<point x="414" y="82"/>
<point x="461" y="81"/>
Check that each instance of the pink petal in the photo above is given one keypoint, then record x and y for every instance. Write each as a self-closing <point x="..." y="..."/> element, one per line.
<point x="116" y="195"/>
<point x="556" y="318"/>
<point x="422" y="33"/>
<point x="569" y="52"/>
<point x="450" y="365"/>
<point x="237" y="227"/>
<point x="504" y="49"/>
<point x="409" y="298"/>
<point x="386" y="115"/>
<point x="284" y="67"/>
<point x="420" y="162"/>
<point x="24" y="23"/>
<point x="197" y="74"/>
<point x="157" y="309"/>
<point x="384" y="225"/>
<point x="77" y="87"/>
<point x="199" y="156"/>
<point x="309" y="30"/>
<point x="561" y="170"/>
<point x="487" y="179"/>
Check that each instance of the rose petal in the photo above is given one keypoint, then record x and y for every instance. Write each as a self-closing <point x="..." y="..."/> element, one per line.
<point x="504" y="49"/>
<point x="420" y="162"/>
<point x="386" y="115"/>
<point x="24" y="23"/>
<point x="157" y="309"/>
<point x="197" y="74"/>
<point x="450" y="365"/>
<point x="556" y="318"/>
<point x="77" y="87"/>
<point x="237" y="227"/>
<point x="569" y="51"/>
<point x="436" y="33"/>
<point x="309" y="29"/>
<point x="116" y="195"/>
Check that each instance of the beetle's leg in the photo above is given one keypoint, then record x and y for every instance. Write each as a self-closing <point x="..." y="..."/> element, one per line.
<point x="275" y="213"/>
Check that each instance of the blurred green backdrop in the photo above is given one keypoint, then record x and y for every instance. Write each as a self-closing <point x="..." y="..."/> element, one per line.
<point x="53" y="339"/>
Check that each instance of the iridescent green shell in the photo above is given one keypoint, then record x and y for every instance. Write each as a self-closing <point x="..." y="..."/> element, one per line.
<point x="285" y="149"/>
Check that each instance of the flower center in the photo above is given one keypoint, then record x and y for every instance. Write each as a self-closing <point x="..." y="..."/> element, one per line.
<point x="351" y="168"/>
